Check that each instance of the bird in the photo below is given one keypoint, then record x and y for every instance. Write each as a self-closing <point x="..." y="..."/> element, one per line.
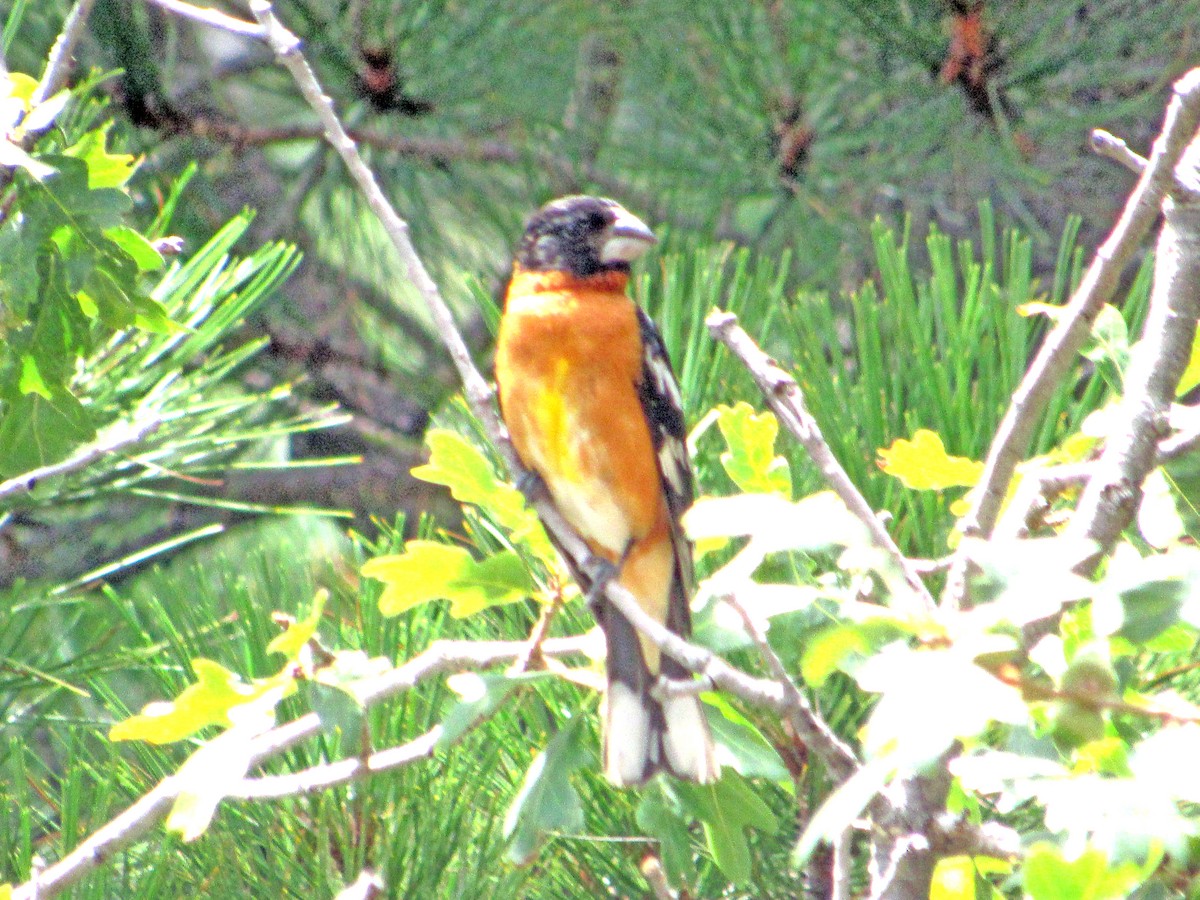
<point x="594" y="412"/>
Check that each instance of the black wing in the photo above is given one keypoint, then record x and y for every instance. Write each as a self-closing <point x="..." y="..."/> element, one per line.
<point x="663" y="406"/>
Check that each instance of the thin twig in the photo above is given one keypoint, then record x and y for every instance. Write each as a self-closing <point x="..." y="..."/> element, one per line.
<point x="320" y="778"/>
<point x="842" y="880"/>
<point x="1178" y="445"/>
<point x="1111" y="146"/>
<point x="441" y="658"/>
<point x="809" y="726"/>
<point x="58" y="63"/>
<point x="784" y="396"/>
<point x="1058" y="351"/>
<point x="214" y="18"/>
<point x="656" y="877"/>
<point x="1114" y="148"/>
<point x="83" y="458"/>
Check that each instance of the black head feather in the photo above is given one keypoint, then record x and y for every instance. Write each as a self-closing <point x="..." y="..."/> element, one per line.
<point x="578" y="235"/>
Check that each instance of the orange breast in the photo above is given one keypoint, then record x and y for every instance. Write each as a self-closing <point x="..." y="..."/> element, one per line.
<point x="568" y="360"/>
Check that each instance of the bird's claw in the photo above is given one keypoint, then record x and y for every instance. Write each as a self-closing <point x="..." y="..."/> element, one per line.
<point x="601" y="571"/>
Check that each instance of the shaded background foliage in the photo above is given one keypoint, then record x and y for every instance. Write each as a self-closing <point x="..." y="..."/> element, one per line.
<point x="780" y="126"/>
<point x="759" y="138"/>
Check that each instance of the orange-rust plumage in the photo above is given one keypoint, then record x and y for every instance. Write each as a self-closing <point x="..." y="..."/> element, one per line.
<point x="572" y="359"/>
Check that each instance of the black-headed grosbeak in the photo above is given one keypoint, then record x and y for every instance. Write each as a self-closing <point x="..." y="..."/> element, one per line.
<point x="593" y="408"/>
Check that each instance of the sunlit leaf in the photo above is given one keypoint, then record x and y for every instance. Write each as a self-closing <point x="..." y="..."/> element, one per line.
<point x="104" y="169"/>
<point x="13" y="156"/>
<point x="953" y="879"/>
<point x="456" y="463"/>
<point x="843" y="647"/>
<point x="751" y="461"/>
<point x="1109" y="338"/>
<point x="479" y="695"/>
<point x="958" y="699"/>
<point x="1168" y="761"/>
<point x="923" y="463"/>
<point x="211" y="772"/>
<point x="740" y="745"/>
<point x="213" y="700"/>
<point x="300" y="632"/>
<point x="1049" y="875"/>
<point x="43" y="115"/>
<point x="816" y="522"/>
<point x="427" y="570"/>
<point x="139" y="249"/>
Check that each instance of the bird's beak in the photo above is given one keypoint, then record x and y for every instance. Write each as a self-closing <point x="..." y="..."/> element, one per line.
<point x="627" y="238"/>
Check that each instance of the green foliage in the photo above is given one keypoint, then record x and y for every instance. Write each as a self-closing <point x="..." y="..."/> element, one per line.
<point x="750" y="462"/>
<point x="546" y="802"/>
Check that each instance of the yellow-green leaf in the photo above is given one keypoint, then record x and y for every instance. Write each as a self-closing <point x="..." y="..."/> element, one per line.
<point x="456" y="463"/>
<point x="20" y="86"/>
<point x="212" y="700"/>
<point x="31" y="381"/>
<point x="6" y="891"/>
<point x="428" y="571"/>
<point x="751" y="461"/>
<point x="420" y="574"/>
<point x="105" y="170"/>
<point x="1040" y="308"/>
<point x="923" y="463"/>
<point x="219" y="765"/>
<point x="501" y="578"/>
<point x="299" y="633"/>
<point x="1191" y="375"/>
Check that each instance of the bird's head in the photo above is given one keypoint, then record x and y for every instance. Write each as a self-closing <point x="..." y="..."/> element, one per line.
<point x="584" y="236"/>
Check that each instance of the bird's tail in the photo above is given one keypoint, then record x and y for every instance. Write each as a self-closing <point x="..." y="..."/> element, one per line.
<point x="643" y="735"/>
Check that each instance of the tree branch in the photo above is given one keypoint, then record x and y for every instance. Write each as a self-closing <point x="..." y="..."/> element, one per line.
<point x="810" y="727"/>
<point x="320" y="778"/>
<point x="784" y="396"/>
<point x="58" y="63"/>
<point x="442" y="657"/>
<point x="1058" y="351"/>
<point x="1157" y="362"/>
<point x="122" y="438"/>
<point x="214" y="18"/>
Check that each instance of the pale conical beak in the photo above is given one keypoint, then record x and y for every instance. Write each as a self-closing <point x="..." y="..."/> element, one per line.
<point x="627" y="238"/>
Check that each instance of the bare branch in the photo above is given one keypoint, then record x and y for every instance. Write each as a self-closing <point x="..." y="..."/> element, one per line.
<point x="212" y="17"/>
<point x="1058" y="351"/>
<point x="1157" y="362"/>
<point x="58" y="63"/>
<point x="320" y="778"/>
<point x="784" y="396"/>
<point x="442" y="657"/>
<point x="810" y="727"/>
<point x="1114" y="148"/>
<point x="119" y="440"/>
<point x="656" y="877"/>
<point x="843" y="866"/>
